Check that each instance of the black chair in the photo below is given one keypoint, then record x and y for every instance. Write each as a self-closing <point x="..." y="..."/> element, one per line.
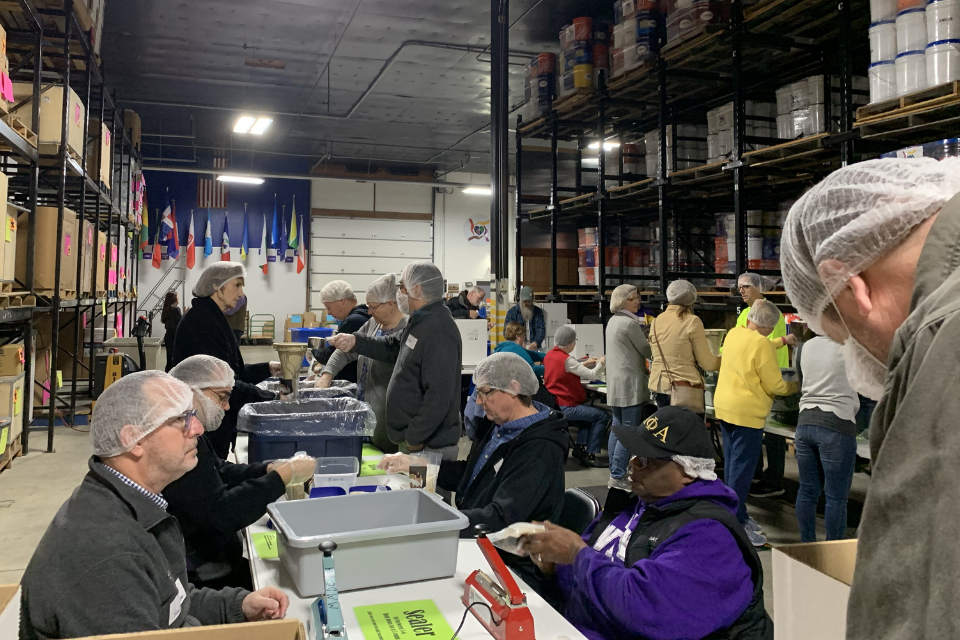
<point x="579" y="510"/>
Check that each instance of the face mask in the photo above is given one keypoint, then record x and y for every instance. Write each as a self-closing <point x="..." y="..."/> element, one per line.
<point x="403" y="303"/>
<point x="864" y="371"/>
<point x="210" y="413"/>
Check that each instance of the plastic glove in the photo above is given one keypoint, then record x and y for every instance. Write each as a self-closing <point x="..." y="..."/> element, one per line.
<point x="304" y="467"/>
<point x="323" y="382"/>
<point x="395" y="463"/>
<point x="343" y="341"/>
<point x="275" y="369"/>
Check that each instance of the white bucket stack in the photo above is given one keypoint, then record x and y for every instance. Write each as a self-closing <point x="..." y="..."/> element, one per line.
<point x="943" y="36"/>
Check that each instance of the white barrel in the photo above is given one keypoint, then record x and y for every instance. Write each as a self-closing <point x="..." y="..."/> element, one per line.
<point x="883" y="81"/>
<point x="911" y="72"/>
<point x="883" y="41"/>
<point x="943" y="62"/>
<point x="943" y="20"/>
<point x="911" y="30"/>
<point x="883" y="10"/>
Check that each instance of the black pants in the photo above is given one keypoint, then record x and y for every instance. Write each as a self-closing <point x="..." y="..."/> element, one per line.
<point x="776" y="448"/>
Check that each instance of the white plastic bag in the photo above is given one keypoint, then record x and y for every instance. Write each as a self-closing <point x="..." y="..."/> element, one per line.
<point x="508" y="539"/>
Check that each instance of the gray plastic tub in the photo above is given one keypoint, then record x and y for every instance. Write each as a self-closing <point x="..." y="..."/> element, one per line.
<point x="382" y="538"/>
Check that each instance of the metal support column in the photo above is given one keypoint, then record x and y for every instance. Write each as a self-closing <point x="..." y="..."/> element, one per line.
<point x="518" y="213"/>
<point x="579" y="170"/>
<point x="846" y="97"/>
<point x="662" y="202"/>
<point x="499" y="146"/>
<point x="554" y="205"/>
<point x="739" y="132"/>
<point x="96" y="261"/>
<point x="602" y="194"/>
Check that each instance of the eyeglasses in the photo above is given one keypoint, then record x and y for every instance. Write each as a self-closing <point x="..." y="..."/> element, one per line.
<point x="483" y="394"/>
<point x="222" y="396"/>
<point x="182" y="421"/>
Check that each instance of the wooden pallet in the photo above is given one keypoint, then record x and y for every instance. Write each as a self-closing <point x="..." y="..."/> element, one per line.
<point x="934" y="96"/>
<point x="13" y="450"/>
<point x="101" y="294"/>
<point x="23" y="130"/>
<point x="53" y="149"/>
<point x="65" y="294"/>
<point x="10" y="299"/>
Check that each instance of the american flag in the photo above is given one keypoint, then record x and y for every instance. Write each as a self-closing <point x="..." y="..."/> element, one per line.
<point x="211" y="193"/>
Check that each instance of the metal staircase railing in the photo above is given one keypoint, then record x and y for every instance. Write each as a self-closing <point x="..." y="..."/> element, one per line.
<point x="159" y="291"/>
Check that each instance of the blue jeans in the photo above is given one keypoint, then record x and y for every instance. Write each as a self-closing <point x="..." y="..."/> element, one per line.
<point x="598" y="419"/>
<point x="741" y="450"/>
<point x="838" y="455"/>
<point x="619" y="456"/>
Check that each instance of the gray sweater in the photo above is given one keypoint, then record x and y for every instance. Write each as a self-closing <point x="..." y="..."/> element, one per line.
<point x="111" y="562"/>
<point x="828" y="400"/>
<point x="627" y="350"/>
<point x="423" y="397"/>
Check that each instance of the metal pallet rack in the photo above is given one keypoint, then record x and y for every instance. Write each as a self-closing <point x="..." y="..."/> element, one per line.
<point x="766" y="45"/>
<point x="64" y="57"/>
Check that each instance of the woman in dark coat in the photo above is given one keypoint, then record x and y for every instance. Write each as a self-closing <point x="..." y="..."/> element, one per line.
<point x="170" y="317"/>
<point x="205" y="330"/>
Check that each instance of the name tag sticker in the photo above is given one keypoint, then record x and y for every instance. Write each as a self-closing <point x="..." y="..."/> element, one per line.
<point x="412" y="342"/>
<point x="496" y="467"/>
<point x="177" y="603"/>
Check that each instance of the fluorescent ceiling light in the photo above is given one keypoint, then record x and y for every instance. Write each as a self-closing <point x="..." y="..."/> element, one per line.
<point x="260" y="126"/>
<point x="242" y="179"/>
<point x="243" y="124"/>
<point x="608" y="146"/>
<point x="478" y="191"/>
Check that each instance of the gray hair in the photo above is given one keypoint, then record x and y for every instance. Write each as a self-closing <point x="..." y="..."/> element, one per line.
<point x="764" y="314"/>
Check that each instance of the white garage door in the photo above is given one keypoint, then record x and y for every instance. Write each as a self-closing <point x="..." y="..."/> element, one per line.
<point x="361" y="250"/>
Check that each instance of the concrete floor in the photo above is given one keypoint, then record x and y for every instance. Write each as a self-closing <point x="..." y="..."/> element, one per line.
<point x="33" y="489"/>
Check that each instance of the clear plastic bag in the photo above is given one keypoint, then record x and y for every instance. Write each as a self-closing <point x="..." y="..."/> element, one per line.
<point x="323" y="416"/>
<point x="332" y="392"/>
<point x="508" y="538"/>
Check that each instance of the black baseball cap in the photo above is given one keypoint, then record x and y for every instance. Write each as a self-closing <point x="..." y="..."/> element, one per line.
<point x="670" y="431"/>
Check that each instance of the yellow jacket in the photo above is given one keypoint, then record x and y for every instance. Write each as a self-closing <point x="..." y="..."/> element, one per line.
<point x="749" y="378"/>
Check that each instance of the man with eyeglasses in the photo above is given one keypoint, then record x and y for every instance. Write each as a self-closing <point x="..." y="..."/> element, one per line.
<point x="217" y="499"/>
<point x="112" y="560"/>
<point x="670" y="562"/>
<point x="341" y="303"/>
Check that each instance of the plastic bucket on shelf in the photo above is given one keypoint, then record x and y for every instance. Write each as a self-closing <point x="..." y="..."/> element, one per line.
<point x="883" y="41"/>
<point x="911" y="72"/>
<point x="942" y="62"/>
<point x="883" y="10"/>
<point x="883" y="81"/>
<point x="943" y="20"/>
<point x="911" y="28"/>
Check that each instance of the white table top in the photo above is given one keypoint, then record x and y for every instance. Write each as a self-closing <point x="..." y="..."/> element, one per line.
<point x="592" y="386"/>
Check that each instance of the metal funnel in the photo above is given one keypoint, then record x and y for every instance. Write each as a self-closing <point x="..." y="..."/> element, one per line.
<point x="291" y="362"/>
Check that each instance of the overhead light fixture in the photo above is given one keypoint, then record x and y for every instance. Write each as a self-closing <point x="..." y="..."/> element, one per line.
<point x="608" y="146"/>
<point x="243" y="124"/>
<point x="478" y="191"/>
<point x="241" y="179"/>
<point x="260" y="126"/>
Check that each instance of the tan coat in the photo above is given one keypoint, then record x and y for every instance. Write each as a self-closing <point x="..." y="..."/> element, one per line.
<point x="684" y="345"/>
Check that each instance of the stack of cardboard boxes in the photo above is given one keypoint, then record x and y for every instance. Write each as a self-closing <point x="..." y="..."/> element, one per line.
<point x="12" y="361"/>
<point x="51" y="117"/>
<point x="306" y="320"/>
<point x="46" y="249"/>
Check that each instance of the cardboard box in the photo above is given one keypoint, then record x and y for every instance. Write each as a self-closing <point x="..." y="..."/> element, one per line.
<point x="131" y="124"/>
<point x="12" y="359"/>
<point x="101" y="262"/>
<point x="98" y="154"/>
<point x="11" y="402"/>
<point x="9" y="264"/>
<point x="9" y="611"/>
<point x="811" y="586"/>
<point x="87" y="257"/>
<point x="4" y="244"/>
<point x="45" y="254"/>
<point x="51" y="115"/>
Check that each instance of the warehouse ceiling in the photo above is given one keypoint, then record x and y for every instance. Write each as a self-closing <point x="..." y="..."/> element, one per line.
<point x="191" y="68"/>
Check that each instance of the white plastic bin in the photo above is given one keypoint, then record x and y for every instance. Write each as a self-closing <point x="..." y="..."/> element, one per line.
<point x="151" y="349"/>
<point x="382" y="538"/>
<point x="943" y="62"/>
<point x="336" y="472"/>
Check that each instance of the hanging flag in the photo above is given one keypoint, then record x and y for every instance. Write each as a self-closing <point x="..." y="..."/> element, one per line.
<point x="211" y="193"/>
<point x="166" y="228"/>
<point x="156" y="250"/>
<point x="225" y="243"/>
<point x="301" y="252"/>
<point x="282" y="254"/>
<point x="191" y="246"/>
<point x="292" y="240"/>
<point x="245" y="239"/>
<point x="207" y="238"/>
<point x="274" y="235"/>
<point x="144" y="241"/>
<point x="264" y="250"/>
<point x="173" y="244"/>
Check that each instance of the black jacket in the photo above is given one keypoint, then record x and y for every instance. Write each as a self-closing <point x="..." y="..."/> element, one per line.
<point x="423" y="397"/>
<point x="353" y="322"/>
<point x="460" y="307"/>
<point x="170" y="326"/>
<point x="109" y="563"/>
<point x="213" y="502"/>
<point x="205" y="330"/>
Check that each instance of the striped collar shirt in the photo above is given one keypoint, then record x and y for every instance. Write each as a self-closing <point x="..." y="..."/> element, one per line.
<point x="154" y="498"/>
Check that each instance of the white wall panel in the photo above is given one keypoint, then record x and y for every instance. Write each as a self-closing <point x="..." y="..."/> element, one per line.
<point x="341" y="194"/>
<point x="367" y="229"/>
<point x="404" y="198"/>
<point x="377" y="248"/>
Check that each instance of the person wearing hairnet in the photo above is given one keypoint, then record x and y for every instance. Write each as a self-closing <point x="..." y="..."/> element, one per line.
<point x="340" y="301"/>
<point x="514" y="337"/>
<point x="869" y="258"/>
<point x="514" y="471"/>
<point x="627" y="355"/>
<point x="749" y="378"/>
<point x="530" y="316"/>
<point x="373" y="376"/>
<point x="562" y="377"/>
<point x="216" y="499"/>
<point x="112" y="560"/>
<point x="671" y="561"/>
<point x="205" y="330"/>
<point x="466" y="306"/>
<point x="423" y="397"/>
<point x="679" y="344"/>
<point x="750" y="286"/>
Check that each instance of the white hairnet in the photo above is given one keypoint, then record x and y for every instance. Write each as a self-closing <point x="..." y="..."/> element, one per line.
<point x="702" y="468"/>
<point x="620" y="295"/>
<point x="507" y="372"/>
<point x="336" y="290"/>
<point x="854" y="216"/>
<point x="752" y="280"/>
<point x="143" y="400"/>
<point x="383" y="289"/>
<point x="427" y="275"/>
<point x="565" y="336"/>
<point x="217" y="275"/>
<point x="204" y="372"/>
<point x="764" y="314"/>
<point x="681" y="292"/>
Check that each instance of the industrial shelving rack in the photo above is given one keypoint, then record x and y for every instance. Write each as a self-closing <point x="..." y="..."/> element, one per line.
<point x="766" y="45"/>
<point x="48" y="45"/>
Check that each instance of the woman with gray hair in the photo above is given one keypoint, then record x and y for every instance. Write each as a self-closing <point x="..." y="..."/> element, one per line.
<point x="679" y="345"/>
<point x="627" y="354"/>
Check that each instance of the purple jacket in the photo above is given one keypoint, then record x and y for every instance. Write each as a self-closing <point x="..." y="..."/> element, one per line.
<point x="694" y="583"/>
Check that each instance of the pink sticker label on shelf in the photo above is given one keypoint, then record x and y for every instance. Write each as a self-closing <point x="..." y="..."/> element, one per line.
<point x="84" y="318"/>
<point x="77" y="117"/>
<point x="119" y="325"/>
<point x="112" y="276"/>
<point x="106" y="140"/>
<point x="113" y="254"/>
<point x="103" y="252"/>
<point x="6" y="88"/>
<point x="67" y="245"/>
<point x="90" y="235"/>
